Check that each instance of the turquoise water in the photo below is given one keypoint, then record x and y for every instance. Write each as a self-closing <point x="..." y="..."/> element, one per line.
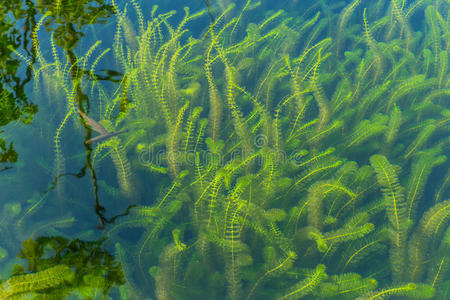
<point x="248" y="150"/>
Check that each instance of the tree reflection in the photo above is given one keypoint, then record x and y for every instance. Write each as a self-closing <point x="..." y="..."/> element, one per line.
<point x="14" y="105"/>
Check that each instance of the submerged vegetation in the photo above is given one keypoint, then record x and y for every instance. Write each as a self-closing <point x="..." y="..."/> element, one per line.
<point x="296" y="155"/>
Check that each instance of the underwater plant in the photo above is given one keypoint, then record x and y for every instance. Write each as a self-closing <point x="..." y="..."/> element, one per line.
<point x="265" y="154"/>
<point x="60" y="268"/>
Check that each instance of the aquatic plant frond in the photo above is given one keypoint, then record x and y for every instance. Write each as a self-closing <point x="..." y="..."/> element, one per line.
<point x="49" y="278"/>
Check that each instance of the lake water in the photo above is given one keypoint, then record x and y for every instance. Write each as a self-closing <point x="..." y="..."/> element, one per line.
<point x="224" y="149"/>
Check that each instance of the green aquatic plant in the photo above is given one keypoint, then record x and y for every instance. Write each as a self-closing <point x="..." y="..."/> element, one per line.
<point x="58" y="267"/>
<point x="409" y="290"/>
<point x="34" y="282"/>
<point x="420" y="172"/>
<point x="229" y="193"/>
<point x="429" y="227"/>
<point x="396" y="210"/>
<point x="276" y="151"/>
<point x="115" y="150"/>
<point x="307" y="285"/>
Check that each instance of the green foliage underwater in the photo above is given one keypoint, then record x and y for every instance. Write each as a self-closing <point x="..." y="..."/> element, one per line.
<point x="268" y="154"/>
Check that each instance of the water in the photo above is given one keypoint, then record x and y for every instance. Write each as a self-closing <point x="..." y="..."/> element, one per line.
<point x="270" y="150"/>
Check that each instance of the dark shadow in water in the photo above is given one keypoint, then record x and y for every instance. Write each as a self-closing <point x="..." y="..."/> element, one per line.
<point x="67" y="23"/>
<point x="99" y="209"/>
<point x="208" y="6"/>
